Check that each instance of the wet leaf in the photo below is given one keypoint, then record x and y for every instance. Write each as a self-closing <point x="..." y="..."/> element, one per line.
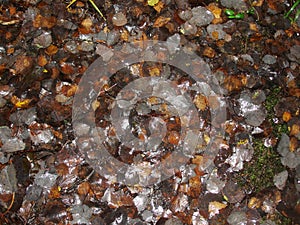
<point x="234" y="83"/>
<point x="20" y="103"/>
<point x="87" y="23"/>
<point x="159" y="6"/>
<point x="47" y="22"/>
<point x="209" y="52"/>
<point x="286" y="116"/>
<point x="201" y="102"/>
<point x="42" y="60"/>
<point x="23" y="64"/>
<point x="67" y="68"/>
<point x="161" y="21"/>
<point x="51" y="50"/>
<point x="83" y="188"/>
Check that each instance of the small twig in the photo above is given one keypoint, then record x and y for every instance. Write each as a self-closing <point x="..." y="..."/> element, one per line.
<point x="93" y="4"/>
<point x="11" y="204"/>
<point x="7" y="23"/>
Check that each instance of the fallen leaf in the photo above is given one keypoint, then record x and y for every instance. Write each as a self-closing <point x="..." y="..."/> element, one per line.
<point x="215" y="207"/>
<point x="201" y="102"/>
<point x="286" y="116"/>
<point x="195" y="187"/>
<point x="23" y="64"/>
<point x="233" y="83"/>
<point x="87" y="23"/>
<point x="42" y="60"/>
<point x="209" y="52"/>
<point x="83" y="188"/>
<point x="54" y="192"/>
<point x="20" y="103"/>
<point x="152" y="2"/>
<point x="67" y="68"/>
<point x="159" y="6"/>
<point x="293" y="144"/>
<point x="47" y="22"/>
<point x="295" y="130"/>
<point x="254" y="203"/>
<point x="173" y="137"/>
<point x="51" y="50"/>
<point x="257" y="3"/>
<point x="161" y="21"/>
<point x="216" y="11"/>
<point x="154" y="71"/>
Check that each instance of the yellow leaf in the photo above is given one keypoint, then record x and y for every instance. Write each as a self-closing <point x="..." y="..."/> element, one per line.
<point x="20" y="103"/>
<point x="152" y="2"/>
<point x="161" y="21"/>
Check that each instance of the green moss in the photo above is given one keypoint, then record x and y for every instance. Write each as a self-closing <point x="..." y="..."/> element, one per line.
<point x="259" y="172"/>
<point x="279" y="219"/>
<point x="271" y="101"/>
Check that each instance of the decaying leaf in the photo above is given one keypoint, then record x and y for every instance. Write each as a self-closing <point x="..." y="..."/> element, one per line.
<point x="20" y="103"/>
<point x="161" y="21"/>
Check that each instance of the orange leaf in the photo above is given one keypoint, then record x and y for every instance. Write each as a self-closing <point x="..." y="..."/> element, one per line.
<point x="51" y="50"/>
<point x="161" y="21"/>
<point x="41" y="21"/>
<point x="42" y="60"/>
<point x="159" y="6"/>
<point x="286" y="116"/>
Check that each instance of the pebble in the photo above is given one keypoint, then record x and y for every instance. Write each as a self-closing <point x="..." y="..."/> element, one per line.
<point x="214" y="184"/>
<point x="294" y="53"/>
<point x="8" y="180"/>
<point x="86" y="46"/>
<point x="185" y="15"/>
<point x="173" y="42"/>
<point x="2" y="102"/>
<point x="112" y="37"/>
<point x="237" y="217"/>
<point x="41" y="136"/>
<point x="254" y="114"/>
<point x="105" y="52"/>
<point x="280" y="179"/>
<point x="69" y="25"/>
<point x="269" y="59"/>
<point x="45" y="179"/>
<point x="26" y="116"/>
<point x="173" y="221"/>
<point x="201" y="16"/>
<point x="33" y="192"/>
<point x="215" y="31"/>
<point x="71" y="46"/>
<point x="5" y="133"/>
<point x="188" y="29"/>
<point x="119" y="19"/>
<point x="43" y="41"/>
<point x="13" y="145"/>
<point x="234" y="4"/>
